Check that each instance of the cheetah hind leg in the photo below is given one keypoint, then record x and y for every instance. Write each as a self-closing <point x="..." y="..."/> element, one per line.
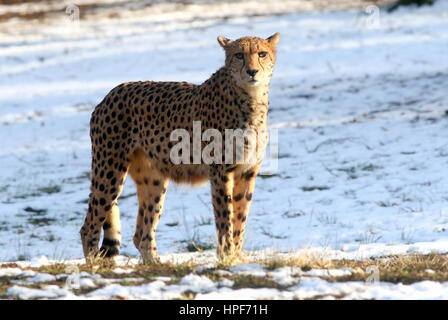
<point x="103" y="213"/>
<point x="151" y="189"/>
<point x="112" y="234"/>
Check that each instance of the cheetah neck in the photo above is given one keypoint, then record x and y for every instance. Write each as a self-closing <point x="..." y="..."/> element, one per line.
<point x="252" y="103"/>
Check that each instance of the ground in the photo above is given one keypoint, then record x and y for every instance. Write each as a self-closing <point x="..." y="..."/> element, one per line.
<point x="358" y="108"/>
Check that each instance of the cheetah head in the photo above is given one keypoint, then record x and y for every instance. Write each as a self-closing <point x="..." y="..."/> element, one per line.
<point x="250" y="59"/>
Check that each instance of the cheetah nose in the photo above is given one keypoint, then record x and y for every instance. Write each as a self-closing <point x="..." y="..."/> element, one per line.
<point x="252" y="72"/>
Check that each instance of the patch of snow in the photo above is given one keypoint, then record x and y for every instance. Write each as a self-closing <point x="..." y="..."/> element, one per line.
<point x="245" y="294"/>
<point x="204" y="267"/>
<point x="315" y="287"/>
<point x="110" y="291"/>
<point x="103" y="281"/>
<point x="39" y="261"/>
<point x="286" y="276"/>
<point x="197" y="283"/>
<point x="204" y="257"/>
<point x="48" y="292"/>
<point x="87" y="283"/>
<point x="329" y="272"/>
<point x="16" y="272"/>
<point x="226" y="283"/>
<point x="152" y="291"/>
<point x="252" y="269"/>
<point x="41" y="277"/>
<point x="223" y="273"/>
<point x="122" y="271"/>
<point x="247" y="267"/>
<point x="161" y="278"/>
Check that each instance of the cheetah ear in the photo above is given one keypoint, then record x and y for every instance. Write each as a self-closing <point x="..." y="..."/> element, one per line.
<point x="273" y="40"/>
<point x="224" y="42"/>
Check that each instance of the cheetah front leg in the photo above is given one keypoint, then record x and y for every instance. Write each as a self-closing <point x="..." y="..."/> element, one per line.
<point x="222" y="186"/>
<point x="150" y="210"/>
<point x="242" y="197"/>
<point x="151" y="190"/>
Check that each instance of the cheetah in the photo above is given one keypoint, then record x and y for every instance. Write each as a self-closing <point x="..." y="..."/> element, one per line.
<point x="131" y="133"/>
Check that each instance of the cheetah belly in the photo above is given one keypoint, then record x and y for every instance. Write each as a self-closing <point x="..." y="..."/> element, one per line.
<point x="186" y="173"/>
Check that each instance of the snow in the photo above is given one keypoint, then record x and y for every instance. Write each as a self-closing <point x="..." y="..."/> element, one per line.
<point x="49" y="292"/>
<point x="329" y="272"/>
<point x="251" y="268"/>
<point x="15" y="272"/>
<point x="245" y="294"/>
<point x="197" y="283"/>
<point x="87" y="283"/>
<point x="359" y="114"/>
<point x="122" y="271"/>
<point x="153" y="290"/>
<point x="42" y="278"/>
<point x="286" y="276"/>
<point x="226" y="283"/>
<point x="312" y="287"/>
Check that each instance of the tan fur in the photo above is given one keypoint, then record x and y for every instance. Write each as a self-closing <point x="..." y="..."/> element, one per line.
<point x="130" y="133"/>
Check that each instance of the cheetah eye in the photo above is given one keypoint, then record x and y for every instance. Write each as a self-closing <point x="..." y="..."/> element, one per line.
<point x="239" y="55"/>
<point x="262" y="54"/>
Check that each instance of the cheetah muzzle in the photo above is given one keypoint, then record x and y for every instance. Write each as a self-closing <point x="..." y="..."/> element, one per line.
<point x="132" y="130"/>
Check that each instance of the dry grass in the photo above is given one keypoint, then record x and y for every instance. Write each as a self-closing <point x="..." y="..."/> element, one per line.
<point x="402" y="269"/>
<point x="304" y="260"/>
<point x="395" y="269"/>
<point x="4" y="285"/>
<point x="229" y="259"/>
<point x="104" y="267"/>
<point x="248" y="281"/>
